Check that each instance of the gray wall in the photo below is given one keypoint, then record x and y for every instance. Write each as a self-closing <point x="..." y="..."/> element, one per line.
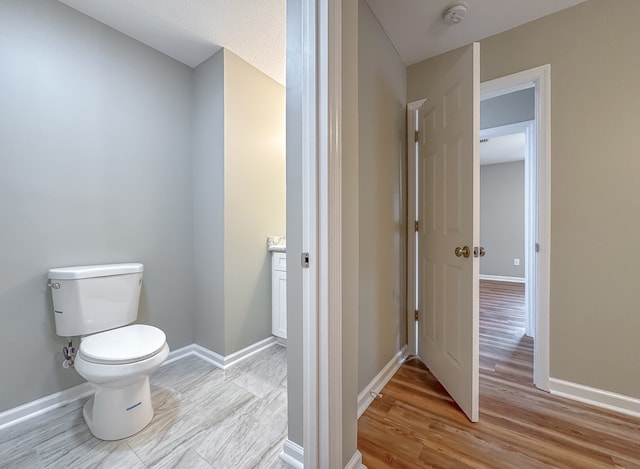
<point x="509" y="108"/>
<point x="502" y="218"/>
<point x="382" y="198"/>
<point x="208" y="202"/>
<point x="593" y="54"/>
<point x="295" y="58"/>
<point x="95" y="145"/>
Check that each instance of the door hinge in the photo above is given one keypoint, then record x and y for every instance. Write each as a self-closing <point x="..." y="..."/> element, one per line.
<point x="416" y="315"/>
<point x="537" y="247"/>
<point x="416" y="225"/>
<point x="416" y="136"/>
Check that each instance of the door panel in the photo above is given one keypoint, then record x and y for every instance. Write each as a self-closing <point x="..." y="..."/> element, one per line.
<point x="448" y="199"/>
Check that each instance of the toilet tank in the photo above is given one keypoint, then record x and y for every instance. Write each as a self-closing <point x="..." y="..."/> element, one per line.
<point x="94" y="298"/>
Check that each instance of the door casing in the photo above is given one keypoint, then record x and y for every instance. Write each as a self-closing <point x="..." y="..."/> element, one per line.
<point x="540" y="79"/>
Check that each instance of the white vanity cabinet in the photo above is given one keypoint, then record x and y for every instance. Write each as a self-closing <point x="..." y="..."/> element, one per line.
<point x="279" y="294"/>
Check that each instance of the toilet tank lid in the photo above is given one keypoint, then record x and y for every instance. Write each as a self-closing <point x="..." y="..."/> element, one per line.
<point x="89" y="271"/>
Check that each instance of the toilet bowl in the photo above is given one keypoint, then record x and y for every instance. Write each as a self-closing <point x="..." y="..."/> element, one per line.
<point x="118" y="363"/>
<point x="99" y="303"/>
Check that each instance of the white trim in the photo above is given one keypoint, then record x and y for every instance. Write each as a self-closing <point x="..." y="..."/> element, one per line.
<point x="365" y="398"/>
<point x="242" y="354"/>
<point x="310" y="354"/>
<point x="503" y="130"/>
<point x="501" y="278"/>
<point x="45" y="404"/>
<point x="220" y="361"/>
<point x="224" y="362"/>
<point x="355" y="462"/>
<point x="538" y="277"/>
<point x="412" y="216"/>
<point x="53" y="401"/>
<point x="178" y="354"/>
<point x="596" y="397"/>
<point x="530" y="228"/>
<point x="329" y="128"/>
<point x="293" y="454"/>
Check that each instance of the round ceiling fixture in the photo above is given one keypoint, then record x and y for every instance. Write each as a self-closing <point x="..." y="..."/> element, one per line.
<point x="455" y="13"/>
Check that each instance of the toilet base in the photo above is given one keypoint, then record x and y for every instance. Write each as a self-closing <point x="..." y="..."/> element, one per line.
<point x="113" y="413"/>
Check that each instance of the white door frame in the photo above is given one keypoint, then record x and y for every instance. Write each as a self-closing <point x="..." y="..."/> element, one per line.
<point x="322" y="219"/>
<point x="329" y="232"/>
<point x="540" y="79"/>
<point x="412" y="239"/>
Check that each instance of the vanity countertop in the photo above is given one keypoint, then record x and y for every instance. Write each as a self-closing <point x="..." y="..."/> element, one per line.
<point x="277" y="243"/>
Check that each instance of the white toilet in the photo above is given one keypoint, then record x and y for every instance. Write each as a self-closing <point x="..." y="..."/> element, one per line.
<point x="98" y="302"/>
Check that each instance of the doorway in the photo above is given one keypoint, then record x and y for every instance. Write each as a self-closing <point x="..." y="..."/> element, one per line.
<point x="537" y="248"/>
<point x="508" y="209"/>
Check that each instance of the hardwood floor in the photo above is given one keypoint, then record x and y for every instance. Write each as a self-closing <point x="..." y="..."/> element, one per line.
<point x="417" y="425"/>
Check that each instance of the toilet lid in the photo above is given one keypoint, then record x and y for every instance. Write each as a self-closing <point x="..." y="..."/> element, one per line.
<point x="123" y="345"/>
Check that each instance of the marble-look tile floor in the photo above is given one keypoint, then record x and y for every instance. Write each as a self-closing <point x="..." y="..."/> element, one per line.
<point x="204" y="418"/>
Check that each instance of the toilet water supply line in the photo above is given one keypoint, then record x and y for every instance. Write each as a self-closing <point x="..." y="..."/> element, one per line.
<point x="69" y="353"/>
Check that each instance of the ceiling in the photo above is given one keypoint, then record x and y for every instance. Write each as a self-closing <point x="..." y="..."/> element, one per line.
<point x="503" y="149"/>
<point x="191" y="31"/>
<point x="416" y="29"/>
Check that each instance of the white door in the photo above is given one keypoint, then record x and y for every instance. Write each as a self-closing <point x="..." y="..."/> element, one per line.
<point x="448" y="201"/>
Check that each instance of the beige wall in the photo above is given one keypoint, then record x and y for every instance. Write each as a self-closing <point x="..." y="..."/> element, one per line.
<point x="595" y="71"/>
<point x="350" y="229"/>
<point x="254" y="197"/>
<point x="382" y="199"/>
<point x="238" y="199"/>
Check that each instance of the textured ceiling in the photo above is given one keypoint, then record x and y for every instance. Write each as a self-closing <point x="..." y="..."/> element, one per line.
<point x="416" y="29"/>
<point x="503" y="149"/>
<point x="191" y="31"/>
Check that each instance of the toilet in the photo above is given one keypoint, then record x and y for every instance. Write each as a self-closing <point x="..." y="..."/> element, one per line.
<point x="100" y="303"/>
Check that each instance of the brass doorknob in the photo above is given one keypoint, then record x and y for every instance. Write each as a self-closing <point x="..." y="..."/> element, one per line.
<point x="462" y="251"/>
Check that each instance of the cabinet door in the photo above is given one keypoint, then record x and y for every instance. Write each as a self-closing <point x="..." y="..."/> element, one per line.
<point x="279" y="303"/>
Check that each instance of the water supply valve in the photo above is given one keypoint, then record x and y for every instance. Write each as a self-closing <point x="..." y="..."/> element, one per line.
<point x="69" y="352"/>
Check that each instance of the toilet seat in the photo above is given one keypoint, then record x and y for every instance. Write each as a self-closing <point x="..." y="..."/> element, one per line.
<point x="123" y="345"/>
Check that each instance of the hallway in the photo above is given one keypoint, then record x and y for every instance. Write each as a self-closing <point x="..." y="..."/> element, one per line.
<point x="416" y="424"/>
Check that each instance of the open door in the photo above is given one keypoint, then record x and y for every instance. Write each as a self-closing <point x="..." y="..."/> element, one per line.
<point x="449" y="229"/>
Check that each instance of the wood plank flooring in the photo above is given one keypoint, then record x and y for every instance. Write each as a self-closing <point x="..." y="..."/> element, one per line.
<point x="417" y="425"/>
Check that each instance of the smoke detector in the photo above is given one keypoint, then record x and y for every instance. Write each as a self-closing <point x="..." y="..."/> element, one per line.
<point x="455" y="13"/>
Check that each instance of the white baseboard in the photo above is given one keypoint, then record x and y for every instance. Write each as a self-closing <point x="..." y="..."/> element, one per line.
<point x="365" y="398"/>
<point x="500" y="278"/>
<point x="53" y="401"/>
<point x="178" y="354"/>
<point x="45" y="404"/>
<point x="355" y="462"/>
<point x="293" y="454"/>
<point x="596" y="397"/>
<point x="225" y="362"/>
